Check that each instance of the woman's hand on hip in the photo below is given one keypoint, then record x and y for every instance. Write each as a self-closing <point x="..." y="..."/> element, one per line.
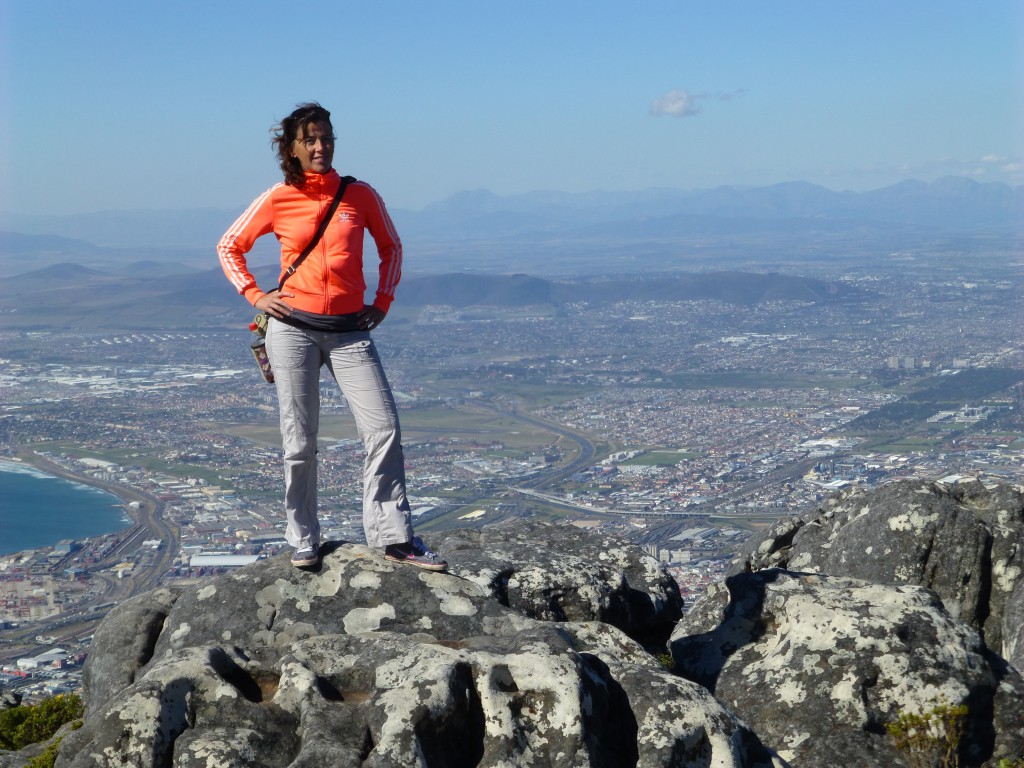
<point x="369" y="317"/>
<point x="274" y="304"/>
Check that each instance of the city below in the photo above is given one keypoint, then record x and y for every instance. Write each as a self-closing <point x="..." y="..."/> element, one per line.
<point x="684" y="426"/>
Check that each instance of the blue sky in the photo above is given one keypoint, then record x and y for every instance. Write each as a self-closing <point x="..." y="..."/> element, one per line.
<point x="113" y="105"/>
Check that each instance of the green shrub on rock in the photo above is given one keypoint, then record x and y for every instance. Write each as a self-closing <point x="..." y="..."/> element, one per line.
<point x="930" y="738"/>
<point x="30" y="724"/>
<point x="47" y="758"/>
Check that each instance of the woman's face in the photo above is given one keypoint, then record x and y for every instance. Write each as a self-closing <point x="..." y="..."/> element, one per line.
<point x="313" y="147"/>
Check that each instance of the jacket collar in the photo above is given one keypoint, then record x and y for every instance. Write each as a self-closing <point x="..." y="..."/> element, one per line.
<point x="317" y="182"/>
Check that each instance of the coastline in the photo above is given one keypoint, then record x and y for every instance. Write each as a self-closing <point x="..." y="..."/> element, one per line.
<point x="81" y="611"/>
<point x="27" y="457"/>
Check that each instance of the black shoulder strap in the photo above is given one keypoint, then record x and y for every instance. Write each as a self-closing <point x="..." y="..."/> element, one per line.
<point x="345" y="181"/>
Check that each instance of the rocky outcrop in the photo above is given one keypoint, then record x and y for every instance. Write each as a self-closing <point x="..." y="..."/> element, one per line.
<point x="536" y="650"/>
<point x="819" y="664"/>
<point x="964" y="541"/>
<point x="837" y="621"/>
<point x="363" y="662"/>
<point x="566" y="574"/>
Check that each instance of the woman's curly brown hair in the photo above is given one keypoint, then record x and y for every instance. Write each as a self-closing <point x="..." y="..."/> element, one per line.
<point x="285" y="133"/>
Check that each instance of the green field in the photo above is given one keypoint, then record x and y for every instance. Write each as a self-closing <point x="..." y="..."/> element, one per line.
<point x="661" y="458"/>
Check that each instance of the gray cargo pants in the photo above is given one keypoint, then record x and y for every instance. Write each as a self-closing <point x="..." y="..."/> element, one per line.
<point x="296" y="356"/>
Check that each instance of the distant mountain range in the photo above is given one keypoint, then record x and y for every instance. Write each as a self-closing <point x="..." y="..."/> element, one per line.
<point x="950" y="204"/>
<point x="65" y="296"/>
<point x="550" y="231"/>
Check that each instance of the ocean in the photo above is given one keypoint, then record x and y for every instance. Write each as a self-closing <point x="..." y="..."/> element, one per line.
<point x="38" y="510"/>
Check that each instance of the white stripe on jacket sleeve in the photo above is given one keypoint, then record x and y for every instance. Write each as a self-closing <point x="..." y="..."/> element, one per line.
<point x="232" y="260"/>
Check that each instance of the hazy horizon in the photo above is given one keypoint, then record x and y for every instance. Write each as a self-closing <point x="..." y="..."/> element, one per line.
<point x="484" y="191"/>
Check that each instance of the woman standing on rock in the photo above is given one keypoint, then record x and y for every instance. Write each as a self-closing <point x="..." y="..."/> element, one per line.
<point x="319" y="319"/>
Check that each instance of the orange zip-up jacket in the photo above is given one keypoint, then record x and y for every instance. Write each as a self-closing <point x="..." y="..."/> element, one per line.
<point x="330" y="280"/>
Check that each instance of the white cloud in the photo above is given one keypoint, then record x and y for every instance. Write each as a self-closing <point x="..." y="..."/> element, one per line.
<point x="675" y="103"/>
<point x="679" y="102"/>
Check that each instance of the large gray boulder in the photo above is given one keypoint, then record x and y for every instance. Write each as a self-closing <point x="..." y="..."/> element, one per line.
<point x="819" y="664"/>
<point x="965" y="541"/>
<point x="363" y="662"/>
<point x="563" y="573"/>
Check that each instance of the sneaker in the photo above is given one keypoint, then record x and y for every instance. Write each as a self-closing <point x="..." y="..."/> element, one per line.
<point x="303" y="557"/>
<point x="415" y="552"/>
